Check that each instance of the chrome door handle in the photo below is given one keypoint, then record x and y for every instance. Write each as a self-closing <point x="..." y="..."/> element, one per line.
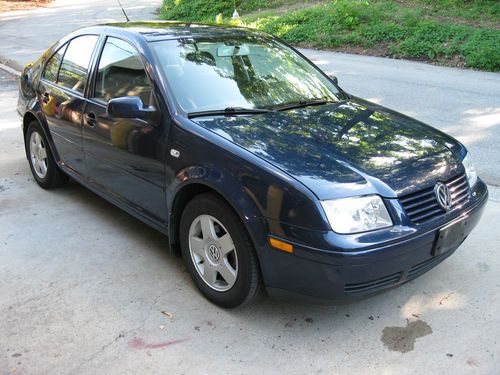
<point x="46" y="97"/>
<point x="90" y="119"/>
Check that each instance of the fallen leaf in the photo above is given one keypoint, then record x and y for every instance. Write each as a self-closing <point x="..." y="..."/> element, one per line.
<point x="168" y="314"/>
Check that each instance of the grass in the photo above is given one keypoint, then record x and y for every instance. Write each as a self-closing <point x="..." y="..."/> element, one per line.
<point x="207" y="10"/>
<point x="464" y="33"/>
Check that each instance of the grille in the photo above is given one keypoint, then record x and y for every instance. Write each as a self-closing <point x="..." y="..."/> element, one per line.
<point x="422" y="205"/>
<point x="423" y="267"/>
<point x="373" y="285"/>
<point x="388" y="281"/>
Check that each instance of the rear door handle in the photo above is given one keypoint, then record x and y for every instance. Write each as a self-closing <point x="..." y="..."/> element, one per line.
<point x="90" y="119"/>
<point x="46" y="97"/>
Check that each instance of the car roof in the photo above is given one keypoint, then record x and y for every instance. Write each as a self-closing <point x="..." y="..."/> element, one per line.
<point x="157" y="30"/>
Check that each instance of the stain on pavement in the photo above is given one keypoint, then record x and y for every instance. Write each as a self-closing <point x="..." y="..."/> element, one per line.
<point x="483" y="267"/>
<point x="402" y="339"/>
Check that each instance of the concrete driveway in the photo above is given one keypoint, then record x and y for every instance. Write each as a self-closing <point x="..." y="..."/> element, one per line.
<point x="88" y="289"/>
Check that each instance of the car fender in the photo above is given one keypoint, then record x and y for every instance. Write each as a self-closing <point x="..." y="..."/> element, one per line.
<point x="257" y="191"/>
<point x="198" y="179"/>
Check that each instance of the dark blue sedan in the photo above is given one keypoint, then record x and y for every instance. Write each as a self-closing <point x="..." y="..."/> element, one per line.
<point x="258" y="167"/>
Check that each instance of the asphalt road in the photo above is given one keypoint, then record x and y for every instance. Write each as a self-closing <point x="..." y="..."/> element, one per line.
<point x="88" y="289"/>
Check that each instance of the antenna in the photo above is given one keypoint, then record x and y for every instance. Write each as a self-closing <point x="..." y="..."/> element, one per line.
<point x="123" y="10"/>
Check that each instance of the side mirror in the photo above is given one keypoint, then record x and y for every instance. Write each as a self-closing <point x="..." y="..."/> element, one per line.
<point x="129" y="107"/>
<point x="334" y="79"/>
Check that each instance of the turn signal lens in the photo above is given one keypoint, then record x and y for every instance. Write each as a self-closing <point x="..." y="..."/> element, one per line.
<point x="281" y="245"/>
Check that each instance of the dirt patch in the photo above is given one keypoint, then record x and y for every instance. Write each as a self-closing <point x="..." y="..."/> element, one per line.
<point x="462" y="21"/>
<point x="9" y="5"/>
<point x="286" y="8"/>
<point x="402" y="339"/>
<point x="430" y="14"/>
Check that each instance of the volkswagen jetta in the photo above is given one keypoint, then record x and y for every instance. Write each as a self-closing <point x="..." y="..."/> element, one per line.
<point x="258" y="167"/>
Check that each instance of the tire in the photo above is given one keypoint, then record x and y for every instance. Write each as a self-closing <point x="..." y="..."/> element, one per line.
<point x="44" y="168"/>
<point x="237" y="281"/>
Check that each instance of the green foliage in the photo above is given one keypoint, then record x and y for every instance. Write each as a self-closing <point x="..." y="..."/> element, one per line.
<point x="207" y="10"/>
<point x="405" y="31"/>
<point x="195" y="10"/>
<point x="468" y="9"/>
<point x="430" y="39"/>
<point x="351" y="13"/>
<point x="482" y="50"/>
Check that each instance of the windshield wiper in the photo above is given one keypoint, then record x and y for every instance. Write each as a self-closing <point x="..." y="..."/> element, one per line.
<point x="301" y="104"/>
<point x="229" y="111"/>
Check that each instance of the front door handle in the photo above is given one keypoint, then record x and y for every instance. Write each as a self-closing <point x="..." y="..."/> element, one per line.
<point x="90" y="119"/>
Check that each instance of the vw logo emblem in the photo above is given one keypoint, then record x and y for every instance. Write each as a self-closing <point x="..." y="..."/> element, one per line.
<point x="443" y="196"/>
<point x="214" y="252"/>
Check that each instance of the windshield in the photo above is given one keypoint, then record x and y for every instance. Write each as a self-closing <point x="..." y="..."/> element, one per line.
<point x="239" y="72"/>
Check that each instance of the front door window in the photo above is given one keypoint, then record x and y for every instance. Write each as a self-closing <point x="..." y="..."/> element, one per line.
<point x="121" y="73"/>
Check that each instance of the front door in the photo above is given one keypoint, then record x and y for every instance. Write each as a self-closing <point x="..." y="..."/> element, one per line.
<point x="125" y="157"/>
<point x="61" y="96"/>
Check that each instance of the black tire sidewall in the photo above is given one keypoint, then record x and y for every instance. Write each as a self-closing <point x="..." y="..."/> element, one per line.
<point x="50" y="177"/>
<point x="248" y="273"/>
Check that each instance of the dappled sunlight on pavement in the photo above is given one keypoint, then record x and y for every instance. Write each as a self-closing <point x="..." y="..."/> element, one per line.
<point x="422" y="303"/>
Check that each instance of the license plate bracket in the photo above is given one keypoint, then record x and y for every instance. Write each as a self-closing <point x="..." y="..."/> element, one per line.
<point x="450" y="237"/>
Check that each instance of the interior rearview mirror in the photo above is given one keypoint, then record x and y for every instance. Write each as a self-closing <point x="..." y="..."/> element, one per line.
<point x="129" y="107"/>
<point x="333" y="78"/>
<point x="228" y="51"/>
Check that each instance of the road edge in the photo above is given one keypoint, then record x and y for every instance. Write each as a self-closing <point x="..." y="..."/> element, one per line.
<point x="10" y="70"/>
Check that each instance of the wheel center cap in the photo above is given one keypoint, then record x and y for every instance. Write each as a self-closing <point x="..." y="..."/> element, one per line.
<point x="214" y="253"/>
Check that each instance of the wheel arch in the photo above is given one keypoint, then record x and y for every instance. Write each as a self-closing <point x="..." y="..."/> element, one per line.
<point x="28" y="118"/>
<point x="189" y="191"/>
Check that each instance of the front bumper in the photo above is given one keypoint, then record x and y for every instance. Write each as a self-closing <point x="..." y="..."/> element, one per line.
<point x="326" y="276"/>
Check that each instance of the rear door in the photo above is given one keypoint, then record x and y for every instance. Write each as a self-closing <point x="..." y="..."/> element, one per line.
<point x="61" y="94"/>
<point x="125" y="157"/>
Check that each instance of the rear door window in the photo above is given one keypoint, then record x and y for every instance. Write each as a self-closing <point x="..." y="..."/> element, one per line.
<point x="52" y="67"/>
<point x="75" y="65"/>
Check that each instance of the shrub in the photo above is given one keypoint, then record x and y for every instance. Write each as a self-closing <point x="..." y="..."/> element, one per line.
<point x="406" y="31"/>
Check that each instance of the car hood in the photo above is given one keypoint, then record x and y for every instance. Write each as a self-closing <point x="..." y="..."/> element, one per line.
<point x="348" y="148"/>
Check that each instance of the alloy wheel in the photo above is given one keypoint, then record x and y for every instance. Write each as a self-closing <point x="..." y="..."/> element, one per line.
<point x="213" y="253"/>
<point x="38" y="155"/>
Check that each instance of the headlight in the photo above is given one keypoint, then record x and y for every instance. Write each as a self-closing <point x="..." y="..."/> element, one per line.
<point x="470" y="171"/>
<point x="357" y="214"/>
